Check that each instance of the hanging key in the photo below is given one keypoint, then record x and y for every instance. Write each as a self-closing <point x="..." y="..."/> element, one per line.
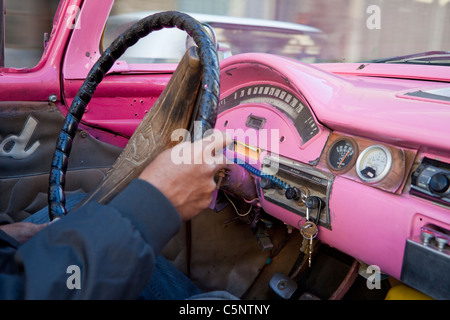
<point x="311" y="248"/>
<point x="309" y="231"/>
<point x="305" y="246"/>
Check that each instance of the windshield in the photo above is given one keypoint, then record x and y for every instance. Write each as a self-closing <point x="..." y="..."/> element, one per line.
<point x="232" y="39"/>
<point x="339" y="31"/>
<point x="308" y="30"/>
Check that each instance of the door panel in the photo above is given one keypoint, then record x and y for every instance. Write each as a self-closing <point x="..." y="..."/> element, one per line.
<point x="28" y="133"/>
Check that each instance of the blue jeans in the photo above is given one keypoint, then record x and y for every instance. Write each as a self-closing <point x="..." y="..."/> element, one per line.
<point x="166" y="283"/>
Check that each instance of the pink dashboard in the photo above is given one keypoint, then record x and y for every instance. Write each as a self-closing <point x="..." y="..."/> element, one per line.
<point x="375" y="153"/>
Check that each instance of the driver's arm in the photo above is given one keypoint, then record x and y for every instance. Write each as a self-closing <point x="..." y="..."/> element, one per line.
<point x="115" y="245"/>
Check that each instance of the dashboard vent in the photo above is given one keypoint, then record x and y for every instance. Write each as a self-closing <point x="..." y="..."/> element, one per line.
<point x="438" y="95"/>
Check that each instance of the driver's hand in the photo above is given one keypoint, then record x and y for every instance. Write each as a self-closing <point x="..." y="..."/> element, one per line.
<point x="189" y="185"/>
<point x="22" y="231"/>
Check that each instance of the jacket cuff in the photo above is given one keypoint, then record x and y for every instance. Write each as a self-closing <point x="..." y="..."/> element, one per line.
<point x="150" y="212"/>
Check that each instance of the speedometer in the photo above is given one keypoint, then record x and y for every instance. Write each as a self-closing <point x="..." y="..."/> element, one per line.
<point x="374" y="163"/>
<point x="285" y="101"/>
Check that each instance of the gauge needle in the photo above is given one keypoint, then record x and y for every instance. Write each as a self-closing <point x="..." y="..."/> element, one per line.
<point x="343" y="158"/>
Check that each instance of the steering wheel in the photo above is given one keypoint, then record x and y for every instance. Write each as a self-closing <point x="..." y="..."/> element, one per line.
<point x="190" y="98"/>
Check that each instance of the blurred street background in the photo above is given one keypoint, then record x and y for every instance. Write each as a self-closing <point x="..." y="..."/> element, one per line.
<point x="357" y="30"/>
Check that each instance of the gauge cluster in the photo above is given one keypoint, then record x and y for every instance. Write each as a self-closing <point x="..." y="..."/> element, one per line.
<point x="367" y="161"/>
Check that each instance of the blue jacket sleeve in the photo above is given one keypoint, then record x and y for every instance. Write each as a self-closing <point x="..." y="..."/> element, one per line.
<point x="98" y="251"/>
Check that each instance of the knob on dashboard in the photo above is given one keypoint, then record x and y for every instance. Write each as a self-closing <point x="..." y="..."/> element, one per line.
<point x="266" y="183"/>
<point x="292" y="194"/>
<point x="439" y="183"/>
<point x="313" y="202"/>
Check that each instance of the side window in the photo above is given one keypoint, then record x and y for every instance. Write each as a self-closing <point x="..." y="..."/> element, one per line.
<point x="27" y="24"/>
<point x="164" y="46"/>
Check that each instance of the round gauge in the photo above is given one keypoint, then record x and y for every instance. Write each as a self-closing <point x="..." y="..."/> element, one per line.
<point x="374" y="163"/>
<point x="342" y="155"/>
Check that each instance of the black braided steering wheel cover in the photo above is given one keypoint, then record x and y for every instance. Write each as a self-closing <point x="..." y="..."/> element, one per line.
<point x="208" y="94"/>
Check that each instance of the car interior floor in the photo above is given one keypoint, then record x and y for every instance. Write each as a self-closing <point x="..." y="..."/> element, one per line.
<point x="220" y="251"/>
